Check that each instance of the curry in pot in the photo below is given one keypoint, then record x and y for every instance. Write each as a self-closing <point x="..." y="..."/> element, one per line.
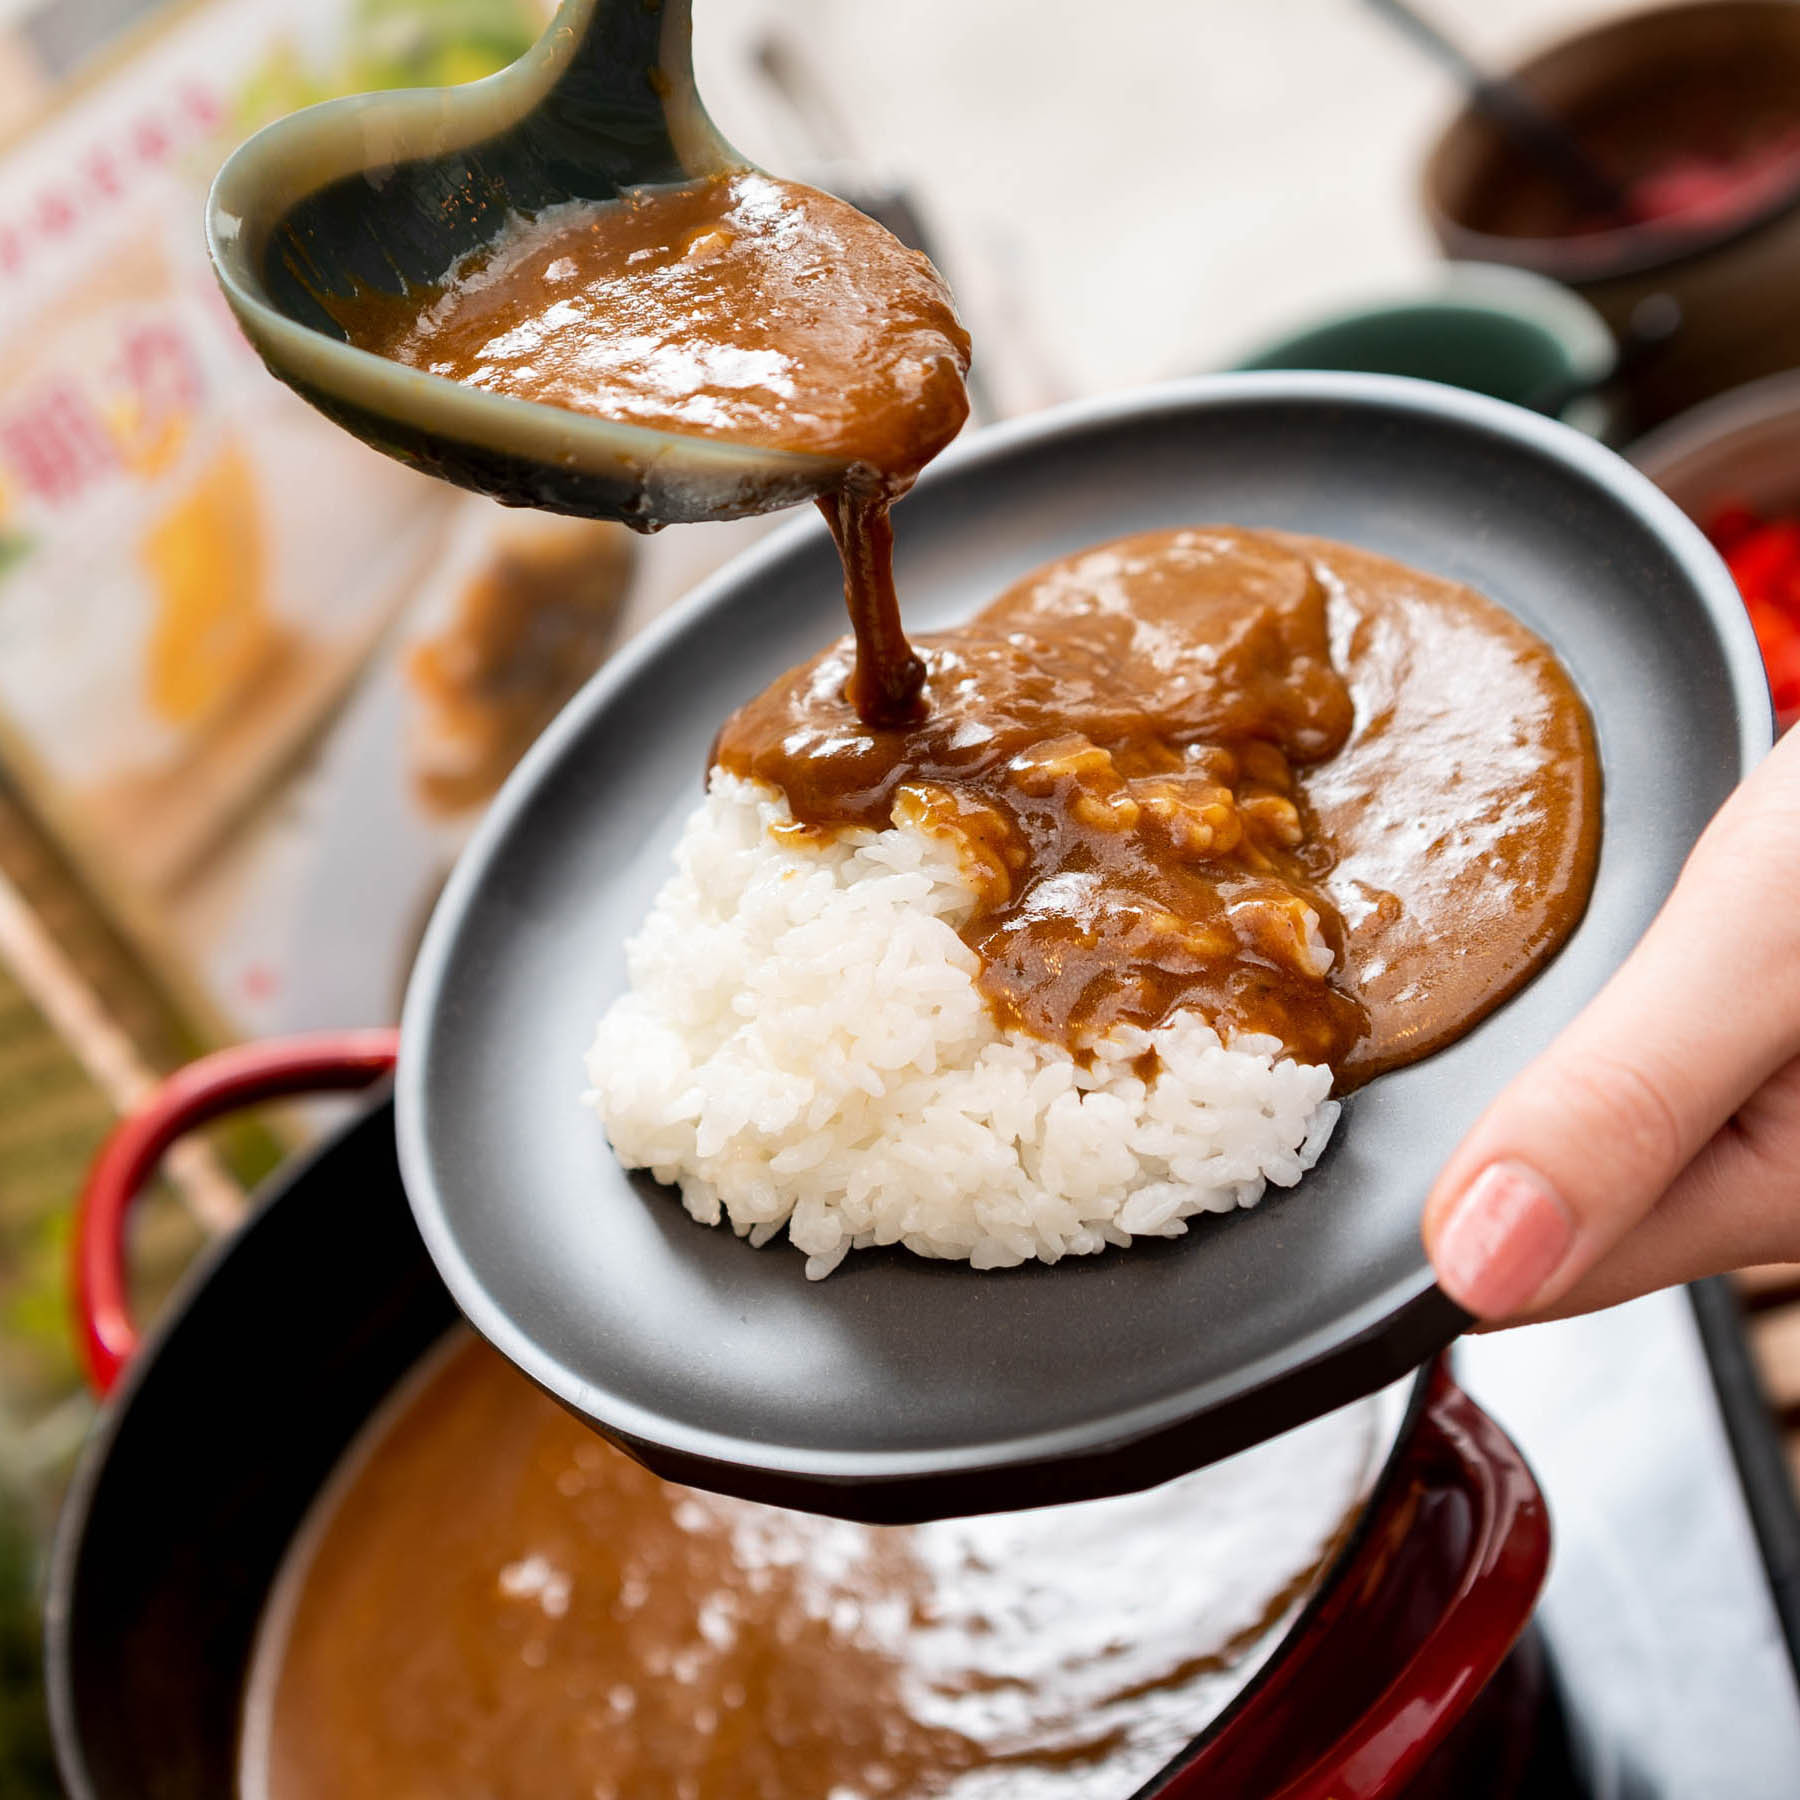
<point x="490" y="1603"/>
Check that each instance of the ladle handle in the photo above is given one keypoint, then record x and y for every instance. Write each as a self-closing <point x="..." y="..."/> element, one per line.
<point x="321" y="1062"/>
<point x="1457" y="1458"/>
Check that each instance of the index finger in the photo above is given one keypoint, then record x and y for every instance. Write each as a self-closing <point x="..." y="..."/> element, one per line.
<point x="1580" y="1145"/>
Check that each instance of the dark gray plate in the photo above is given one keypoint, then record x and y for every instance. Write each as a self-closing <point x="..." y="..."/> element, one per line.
<point x="899" y="1388"/>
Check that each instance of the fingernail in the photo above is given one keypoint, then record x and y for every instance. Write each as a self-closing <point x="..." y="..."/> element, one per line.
<point x="1503" y="1240"/>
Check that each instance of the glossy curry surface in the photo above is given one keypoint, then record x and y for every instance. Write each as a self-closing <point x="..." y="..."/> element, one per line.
<point x="1296" y="787"/>
<point x="736" y="307"/>
<point x="492" y="1604"/>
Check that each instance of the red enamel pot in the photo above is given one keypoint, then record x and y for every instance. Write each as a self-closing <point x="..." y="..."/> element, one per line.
<point x="1405" y="1674"/>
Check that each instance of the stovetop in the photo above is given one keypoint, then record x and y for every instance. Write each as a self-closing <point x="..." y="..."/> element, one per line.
<point x="1659" y="1611"/>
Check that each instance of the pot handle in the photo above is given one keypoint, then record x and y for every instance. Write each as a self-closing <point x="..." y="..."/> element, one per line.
<point x="320" y="1062"/>
<point x="1455" y="1446"/>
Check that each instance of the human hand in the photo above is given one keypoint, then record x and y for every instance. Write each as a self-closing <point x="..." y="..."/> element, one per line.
<point x="1657" y="1140"/>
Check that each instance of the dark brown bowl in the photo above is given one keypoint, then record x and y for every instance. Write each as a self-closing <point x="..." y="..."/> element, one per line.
<point x="1644" y="82"/>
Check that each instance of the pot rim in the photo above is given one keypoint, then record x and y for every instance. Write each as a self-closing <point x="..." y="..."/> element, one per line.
<point x="1403" y="1430"/>
<point x="69" y="1537"/>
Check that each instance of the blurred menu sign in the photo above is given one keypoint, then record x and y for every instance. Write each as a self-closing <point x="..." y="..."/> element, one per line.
<point x="193" y="565"/>
<point x="195" y="573"/>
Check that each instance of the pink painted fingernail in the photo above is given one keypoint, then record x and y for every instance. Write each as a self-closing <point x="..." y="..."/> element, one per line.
<point x="1503" y="1240"/>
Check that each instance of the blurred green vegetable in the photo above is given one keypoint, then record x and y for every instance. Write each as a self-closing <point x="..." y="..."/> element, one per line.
<point x="432" y="43"/>
<point x="394" y="43"/>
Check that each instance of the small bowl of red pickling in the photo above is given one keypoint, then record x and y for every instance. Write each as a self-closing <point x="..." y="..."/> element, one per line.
<point x="1693" y="113"/>
<point x="1733" y="465"/>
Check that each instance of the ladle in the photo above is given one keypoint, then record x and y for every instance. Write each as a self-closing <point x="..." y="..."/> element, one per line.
<point x="391" y="190"/>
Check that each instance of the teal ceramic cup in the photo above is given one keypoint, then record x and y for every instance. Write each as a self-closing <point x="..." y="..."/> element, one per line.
<point x="1493" y="330"/>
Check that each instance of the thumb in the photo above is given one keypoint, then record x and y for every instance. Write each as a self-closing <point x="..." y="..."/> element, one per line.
<point x="1584" y="1142"/>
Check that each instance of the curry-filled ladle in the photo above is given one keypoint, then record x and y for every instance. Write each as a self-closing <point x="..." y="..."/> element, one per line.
<point x="390" y="191"/>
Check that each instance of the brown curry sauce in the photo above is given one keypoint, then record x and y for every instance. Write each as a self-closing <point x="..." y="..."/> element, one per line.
<point x="490" y="1603"/>
<point x="1296" y="787"/>
<point x="736" y="307"/>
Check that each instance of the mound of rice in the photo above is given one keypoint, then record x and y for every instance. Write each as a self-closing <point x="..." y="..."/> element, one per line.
<point x="803" y="1044"/>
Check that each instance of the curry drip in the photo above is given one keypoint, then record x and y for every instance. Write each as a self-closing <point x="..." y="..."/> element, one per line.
<point x="738" y="308"/>
<point x="1301" y="790"/>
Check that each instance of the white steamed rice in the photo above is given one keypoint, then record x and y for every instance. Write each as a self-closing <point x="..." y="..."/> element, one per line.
<point x="803" y="1044"/>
